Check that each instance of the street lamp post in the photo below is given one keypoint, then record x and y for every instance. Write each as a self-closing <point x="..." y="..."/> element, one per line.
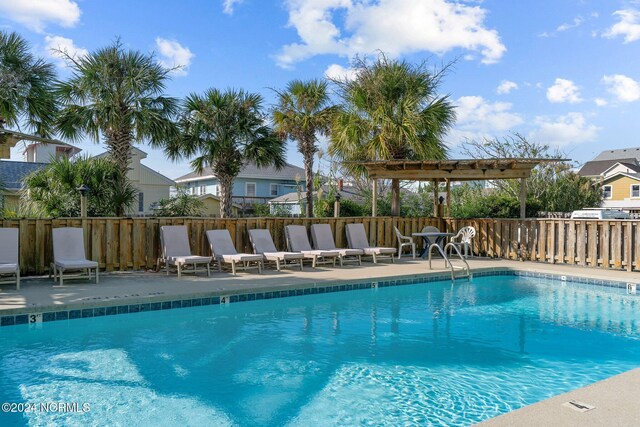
<point x="83" y="189"/>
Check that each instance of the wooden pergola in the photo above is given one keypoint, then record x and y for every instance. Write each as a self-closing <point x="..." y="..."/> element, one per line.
<point x="446" y="171"/>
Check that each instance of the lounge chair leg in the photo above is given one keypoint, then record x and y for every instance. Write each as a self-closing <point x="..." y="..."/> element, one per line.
<point x="393" y="261"/>
<point x="300" y="264"/>
<point x="360" y="260"/>
<point x="208" y="270"/>
<point x="259" y="267"/>
<point x="313" y="263"/>
<point x="341" y="259"/>
<point x="179" y="271"/>
<point x="97" y="280"/>
<point x="278" y="264"/>
<point x="18" y="278"/>
<point x="61" y="273"/>
<point x="233" y="267"/>
<point x="375" y="261"/>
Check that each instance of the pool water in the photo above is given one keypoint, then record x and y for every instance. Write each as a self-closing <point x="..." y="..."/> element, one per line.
<point x="427" y="354"/>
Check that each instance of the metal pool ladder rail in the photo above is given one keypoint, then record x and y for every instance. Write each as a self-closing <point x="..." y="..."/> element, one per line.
<point x="447" y="261"/>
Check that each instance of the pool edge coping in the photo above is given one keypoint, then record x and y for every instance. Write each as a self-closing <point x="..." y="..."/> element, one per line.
<point x="92" y="308"/>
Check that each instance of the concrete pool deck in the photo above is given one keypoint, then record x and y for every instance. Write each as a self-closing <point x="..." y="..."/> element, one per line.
<point x="614" y="399"/>
<point x="39" y="294"/>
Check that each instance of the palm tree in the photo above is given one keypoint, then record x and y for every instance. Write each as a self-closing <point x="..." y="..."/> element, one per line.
<point x="225" y="130"/>
<point x="304" y="112"/>
<point x="115" y="95"/>
<point x="391" y="111"/>
<point x="53" y="190"/>
<point x="26" y="92"/>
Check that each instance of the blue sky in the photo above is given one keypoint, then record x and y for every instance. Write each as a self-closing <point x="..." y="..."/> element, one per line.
<point x="563" y="72"/>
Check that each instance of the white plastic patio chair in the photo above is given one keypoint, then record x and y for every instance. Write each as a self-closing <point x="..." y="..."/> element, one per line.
<point x="176" y="250"/>
<point x="405" y="241"/>
<point x="298" y="241"/>
<point x="462" y="240"/>
<point x="322" y="237"/>
<point x="262" y="243"/>
<point x="357" y="239"/>
<point x="223" y="250"/>
<point x="9" y="255"/>
<point x="69" y="254"/>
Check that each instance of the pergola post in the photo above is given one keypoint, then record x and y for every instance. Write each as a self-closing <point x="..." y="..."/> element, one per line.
<point x="374" y="198"/>
<point x="523" y="198"/>
<point x="435" y="198"/>
<point x="448" y="181"/>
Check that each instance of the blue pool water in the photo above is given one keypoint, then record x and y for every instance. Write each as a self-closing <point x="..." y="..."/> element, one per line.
<point x="428" y="354"/>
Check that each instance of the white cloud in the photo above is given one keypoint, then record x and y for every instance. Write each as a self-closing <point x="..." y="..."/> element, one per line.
<point x="338" y="72"/>
<point x="229" y="5"/>
<point x="564" y="91"/>
<point x="478" y="118"/>
<point x="392" y="26"/>
<point x="57" y="46"/>
<point x="35" y="14"/>
<point x="569" y="129"/>
<point x="173" y="54"/>
<point x="576" y="23"/>
<point x="600" y="102"/>
<point x="506" y="86"/>
<point x="628" y="25"/>
<point x="624" y="88"/>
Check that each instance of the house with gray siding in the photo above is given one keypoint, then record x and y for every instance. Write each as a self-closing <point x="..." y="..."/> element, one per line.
<point x="252" y="185"/>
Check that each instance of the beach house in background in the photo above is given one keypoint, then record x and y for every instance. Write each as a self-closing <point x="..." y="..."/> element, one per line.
<point x="252" y="185"/>
<point x="151" y="185"/>
<point x="618" y="172"/>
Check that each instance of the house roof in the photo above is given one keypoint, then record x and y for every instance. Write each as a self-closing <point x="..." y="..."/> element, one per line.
<point x="295" y="196"/>
<point x="12" y="173"/>
<point x="598" y="167"/>
<point x="620" y="154"/>
<point x="630" y="166"/>
<point x="635" y="176"/>
<point x="250" y="170"/>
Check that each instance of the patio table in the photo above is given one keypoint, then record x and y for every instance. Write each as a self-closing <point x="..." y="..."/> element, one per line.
<point x="428" y="238"/>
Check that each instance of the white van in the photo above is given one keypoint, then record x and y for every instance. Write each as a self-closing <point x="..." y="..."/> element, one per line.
<point x="600" y="214"/>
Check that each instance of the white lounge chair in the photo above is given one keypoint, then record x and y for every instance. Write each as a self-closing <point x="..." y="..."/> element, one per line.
<point x="405" y="241"/>
<point x="322" y="237"/>
<point x="176" y="250"/>
<point x="263" y="244"/>
<point x="357" y="239"/>
<point x="223" y="250"/>
<point x="9" y="263"/>
<point x="298" y="241"/>
<point x="69" y="254"/>
<point x="463" y="240"/>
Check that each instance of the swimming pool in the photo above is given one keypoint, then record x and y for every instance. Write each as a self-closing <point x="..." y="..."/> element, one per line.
<point x="427" y="354"/>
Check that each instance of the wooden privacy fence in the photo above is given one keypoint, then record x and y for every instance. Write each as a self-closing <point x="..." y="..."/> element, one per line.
<point x="595" y="243"/>
<point x="134" y="243"/>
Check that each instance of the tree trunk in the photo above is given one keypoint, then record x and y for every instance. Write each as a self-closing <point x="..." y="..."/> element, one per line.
<point x="395" y="197"/>
<point x="308" y="172"/>
<point x="226" y="185"/>
<point x="119" y="150"/>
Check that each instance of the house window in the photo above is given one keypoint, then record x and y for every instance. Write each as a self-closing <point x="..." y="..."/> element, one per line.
<point x="203" y="189"/>
<point x="606" y="191"/>
<point x="635" y="191"/>
<point x="250" y="189"/>
<point x="193" y="190"/>
<point x="140" y="202"/>
<point x="273" y="190"/>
